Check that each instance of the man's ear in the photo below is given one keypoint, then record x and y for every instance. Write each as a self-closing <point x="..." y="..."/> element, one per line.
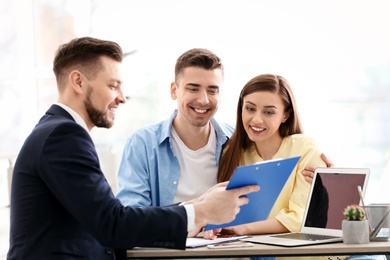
<point x="76" y="79"/>
<point x="173" y="90"/>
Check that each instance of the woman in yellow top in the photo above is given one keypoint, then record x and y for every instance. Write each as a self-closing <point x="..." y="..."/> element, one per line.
<point x="268" y="127"/>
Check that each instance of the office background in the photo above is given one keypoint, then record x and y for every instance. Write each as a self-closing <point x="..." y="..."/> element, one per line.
<point x="335" y="54"/>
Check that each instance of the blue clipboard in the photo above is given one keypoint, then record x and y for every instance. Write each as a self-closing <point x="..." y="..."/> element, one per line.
<point x="270" y="176"/>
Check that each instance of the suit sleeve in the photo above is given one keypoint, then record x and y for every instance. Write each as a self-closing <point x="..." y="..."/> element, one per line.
<point x="70" y="168"/>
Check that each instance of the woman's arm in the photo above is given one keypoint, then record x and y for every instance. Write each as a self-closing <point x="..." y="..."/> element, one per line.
<point x="308" y="172"/>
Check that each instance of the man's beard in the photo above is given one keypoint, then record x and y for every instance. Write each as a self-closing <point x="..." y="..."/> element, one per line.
<point x="98" y="118"/>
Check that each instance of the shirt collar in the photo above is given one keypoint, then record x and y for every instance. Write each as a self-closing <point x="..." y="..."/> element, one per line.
<point x="75" y="116"/>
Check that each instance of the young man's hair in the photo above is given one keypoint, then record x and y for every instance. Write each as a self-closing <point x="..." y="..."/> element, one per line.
<point x="84" y="55"/>
<point x="197" y="57"/>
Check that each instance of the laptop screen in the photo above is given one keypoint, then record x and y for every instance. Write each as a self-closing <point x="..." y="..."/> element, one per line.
<point x="331" y="193"/>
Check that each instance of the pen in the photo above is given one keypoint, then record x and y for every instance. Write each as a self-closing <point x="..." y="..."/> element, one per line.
<point x="364" y="207"/>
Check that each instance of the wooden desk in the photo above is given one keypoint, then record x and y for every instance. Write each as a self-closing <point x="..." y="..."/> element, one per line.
<point x="382" y="248"/>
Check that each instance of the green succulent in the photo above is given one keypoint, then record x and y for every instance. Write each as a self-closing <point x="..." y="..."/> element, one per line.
<point x="354" y="213"/>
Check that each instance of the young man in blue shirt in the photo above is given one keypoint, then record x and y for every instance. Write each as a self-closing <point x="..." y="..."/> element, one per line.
<point x="177" y="159"/>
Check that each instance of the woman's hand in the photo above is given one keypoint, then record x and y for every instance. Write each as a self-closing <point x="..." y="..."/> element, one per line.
<point x="211" y="234"/>
<point x="239" y="230"/>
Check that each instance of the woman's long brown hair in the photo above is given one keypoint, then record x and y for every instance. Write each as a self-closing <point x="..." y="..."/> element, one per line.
<point x="231" y="155"/>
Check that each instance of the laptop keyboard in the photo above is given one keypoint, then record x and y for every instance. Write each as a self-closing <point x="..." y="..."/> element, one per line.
<point x="304" y="236"/>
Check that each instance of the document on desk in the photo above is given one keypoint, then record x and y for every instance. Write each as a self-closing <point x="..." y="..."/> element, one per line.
<point x="193" y="242"/>
<point x="270" y="176"/>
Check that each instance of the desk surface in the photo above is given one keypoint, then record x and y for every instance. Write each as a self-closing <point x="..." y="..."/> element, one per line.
<point x="265" y="250"/>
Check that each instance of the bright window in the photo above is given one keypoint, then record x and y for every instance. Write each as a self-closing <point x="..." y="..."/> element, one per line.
<point x="336" y="55"/>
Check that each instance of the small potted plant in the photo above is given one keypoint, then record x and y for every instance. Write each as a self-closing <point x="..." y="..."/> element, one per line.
<point x="355" y="226"/>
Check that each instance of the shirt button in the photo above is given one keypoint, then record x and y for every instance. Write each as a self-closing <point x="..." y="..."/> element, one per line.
<point x="109" y="251"/>
<point x="174" y="182"/>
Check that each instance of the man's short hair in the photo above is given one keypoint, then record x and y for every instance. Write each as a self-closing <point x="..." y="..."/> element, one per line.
<point x="84" y="54"/>
<point x="197" y="57"/>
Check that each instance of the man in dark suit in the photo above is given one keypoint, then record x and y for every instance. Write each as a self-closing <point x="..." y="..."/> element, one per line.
<point x="61" y="204"/>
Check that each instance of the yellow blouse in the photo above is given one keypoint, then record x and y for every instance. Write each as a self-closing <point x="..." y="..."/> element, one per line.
<point x="291" y="203"/>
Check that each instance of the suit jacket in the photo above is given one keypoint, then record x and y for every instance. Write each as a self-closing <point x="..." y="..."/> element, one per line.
<point x="63" y="208"/>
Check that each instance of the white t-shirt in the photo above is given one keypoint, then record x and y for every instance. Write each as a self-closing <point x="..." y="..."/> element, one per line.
<point x="198" y="169"/>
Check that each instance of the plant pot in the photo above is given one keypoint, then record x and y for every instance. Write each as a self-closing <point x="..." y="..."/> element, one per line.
<point x="355" y="232"/>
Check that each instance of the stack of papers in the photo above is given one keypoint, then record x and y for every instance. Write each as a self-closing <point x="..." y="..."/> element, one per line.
<point x="193" y="242"/>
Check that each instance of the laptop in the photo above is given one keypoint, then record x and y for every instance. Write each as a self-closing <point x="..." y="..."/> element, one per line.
<point x="331" y="191"/>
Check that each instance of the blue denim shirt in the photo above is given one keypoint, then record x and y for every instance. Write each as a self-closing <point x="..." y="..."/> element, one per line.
<point x="149" y="171"/>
